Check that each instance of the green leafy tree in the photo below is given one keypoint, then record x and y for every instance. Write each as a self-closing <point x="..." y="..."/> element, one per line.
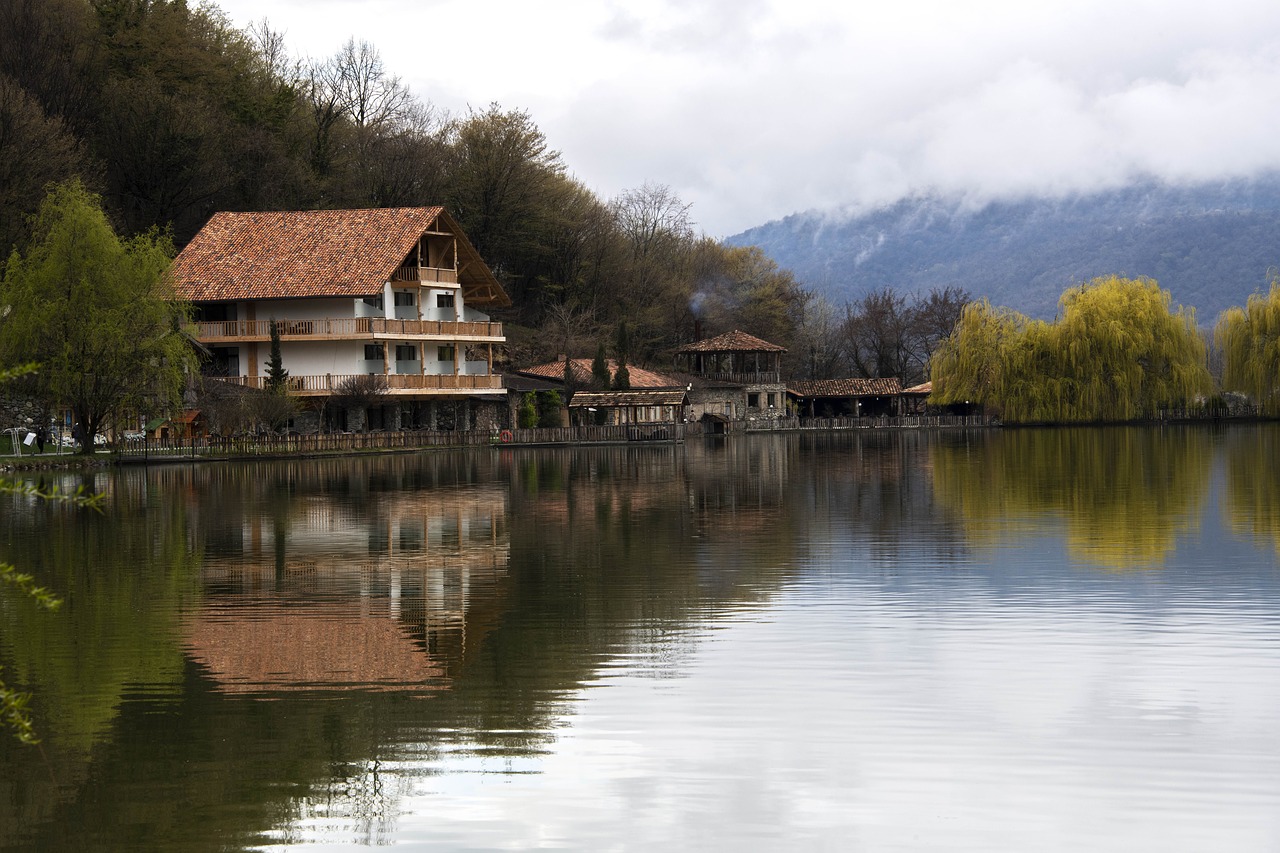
<point x="550" y="405"/>
<point x="95" y="312"/>
<point x="1249" y="339"/>
<point x="528" y="414"/>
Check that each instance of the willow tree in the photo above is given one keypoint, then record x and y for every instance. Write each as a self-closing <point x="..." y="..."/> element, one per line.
<point x="1117" y="352"/>
<point x="1249" y="339"/>
<point x="968" y="366"/>
<point x="94" y="313"/>
<point x="1126" y="352"/>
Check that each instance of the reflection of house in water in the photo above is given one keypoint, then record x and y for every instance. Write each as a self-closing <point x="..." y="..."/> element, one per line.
<point x="325" y="593"/>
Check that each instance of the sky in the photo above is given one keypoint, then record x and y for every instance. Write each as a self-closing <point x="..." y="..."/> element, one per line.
<point x="755" y="109"/>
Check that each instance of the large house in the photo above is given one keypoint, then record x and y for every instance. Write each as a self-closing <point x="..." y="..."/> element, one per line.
<point x="397" y="294"/>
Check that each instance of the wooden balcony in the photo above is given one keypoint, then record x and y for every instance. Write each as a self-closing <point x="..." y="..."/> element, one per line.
<point x="396" y="383"/>
<point x="348" y="328"/>
<point x="426" y="275"/>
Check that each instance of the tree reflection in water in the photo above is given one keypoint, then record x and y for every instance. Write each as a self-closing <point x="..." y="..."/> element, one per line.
<point x="1253" y="483"/>
<point x="1123" y="494"/>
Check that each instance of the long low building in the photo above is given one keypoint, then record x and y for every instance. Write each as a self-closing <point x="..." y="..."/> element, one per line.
<point x="846" y="398"/>
<point x="640" y="406"/>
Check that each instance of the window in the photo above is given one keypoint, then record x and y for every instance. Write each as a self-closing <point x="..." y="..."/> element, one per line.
<point x="773" y="400"/>
<point x="444" y="300"/>
<point x="373" y="352"/>
<point x="405" y="298"/>
<point x="406" y="352"/>
<point x="375" y="301"/>
<point x="444" y="353"/>
<point x="753" y="401"/>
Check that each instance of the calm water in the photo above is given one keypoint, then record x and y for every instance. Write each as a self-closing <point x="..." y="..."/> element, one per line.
<point x="1030" y="640"/>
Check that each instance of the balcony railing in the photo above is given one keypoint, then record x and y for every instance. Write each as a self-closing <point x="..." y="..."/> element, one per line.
<point x="348" y="328"/>
<point x="395" y="383"/>
<point x="759" y="377"/>
<point x="431" y="275"/>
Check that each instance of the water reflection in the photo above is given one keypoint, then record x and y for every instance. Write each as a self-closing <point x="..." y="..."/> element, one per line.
<point x="1122" y="495"/>
<point x="327" y="650"/>
<point x="362" y="576"/>
<point x="1253" y="487"/>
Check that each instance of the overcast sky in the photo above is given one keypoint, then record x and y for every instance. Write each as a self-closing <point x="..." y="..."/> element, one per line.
<point x="755" y="109"/>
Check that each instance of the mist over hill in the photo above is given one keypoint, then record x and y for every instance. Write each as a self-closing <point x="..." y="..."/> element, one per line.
<point x="1210" y="245"/>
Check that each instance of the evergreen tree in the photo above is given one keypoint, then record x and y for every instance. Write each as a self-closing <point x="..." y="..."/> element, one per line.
<point x="622" y="348"/>
<point x="600" y="377"/>
<point x="277" y="376"/>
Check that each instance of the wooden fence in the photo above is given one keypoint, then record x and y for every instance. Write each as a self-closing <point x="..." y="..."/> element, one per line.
<point x="835" y="424"/>
<point x="294" y="445"/>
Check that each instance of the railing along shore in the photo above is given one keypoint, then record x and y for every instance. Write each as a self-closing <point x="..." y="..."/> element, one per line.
<point x="887" y="422"/>
<point x="327" y="443"/>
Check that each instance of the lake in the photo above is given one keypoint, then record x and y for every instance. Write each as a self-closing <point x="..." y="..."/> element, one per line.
<point x="915" y="640"/>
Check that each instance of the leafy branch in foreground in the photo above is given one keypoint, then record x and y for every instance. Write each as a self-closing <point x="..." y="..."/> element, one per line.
<point x="13" y="713"/>
<point x="13" y="705"/>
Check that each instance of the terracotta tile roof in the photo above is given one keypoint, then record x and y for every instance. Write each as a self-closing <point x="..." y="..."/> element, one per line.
<point x="734" y="341"/>
<point x="580" y="369"/>
<point x="643" y="397"/>
<point x="923" y="388"/>
<point x="845" y="387"/>
<point x="309" y="253"/>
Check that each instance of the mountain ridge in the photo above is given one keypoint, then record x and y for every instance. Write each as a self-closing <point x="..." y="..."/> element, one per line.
<point x="1209" y="244"/>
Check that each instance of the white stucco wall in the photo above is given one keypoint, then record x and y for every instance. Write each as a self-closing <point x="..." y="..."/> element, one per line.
<point x="431" y="312"/>
<point x="302" y="309"/>
<point x="316" y="358"/>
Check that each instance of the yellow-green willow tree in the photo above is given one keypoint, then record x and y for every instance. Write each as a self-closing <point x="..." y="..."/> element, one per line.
<point x="1117" y="352"/>
<point x="1250" y="342"/>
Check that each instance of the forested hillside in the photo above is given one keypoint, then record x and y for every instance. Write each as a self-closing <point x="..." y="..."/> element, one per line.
<point x="1209" y="245"/>
<point x="171" y="113"/>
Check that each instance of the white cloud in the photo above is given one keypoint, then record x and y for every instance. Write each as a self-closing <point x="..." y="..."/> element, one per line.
<point x="753" y="110"/>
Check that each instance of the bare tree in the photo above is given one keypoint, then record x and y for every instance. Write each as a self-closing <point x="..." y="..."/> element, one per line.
<point x="936" y="316"/>
<point x="362" y="391"/>
<point x="652" y="216"/>
<point x="818" y="349"/>
<point x="569" y="325"/>
<point x="269" y="44"/>
<point x="886" y="335"/>
<point x="877" y="331"/>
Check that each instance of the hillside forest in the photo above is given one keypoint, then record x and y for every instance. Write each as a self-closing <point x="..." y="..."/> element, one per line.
<point x="168" y="113"/>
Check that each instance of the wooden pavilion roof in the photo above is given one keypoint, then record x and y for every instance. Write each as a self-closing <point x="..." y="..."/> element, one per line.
<point x="735" y="341"/>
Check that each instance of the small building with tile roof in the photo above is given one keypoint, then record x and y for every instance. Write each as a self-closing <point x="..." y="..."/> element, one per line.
<point x="915" y="398"/>
<point x="732" y="377"/>
<point x="582" y="377"/>
<point x="399" y="293"/>
<point x="846" y="398"/>
<point x="637" y="406"/>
